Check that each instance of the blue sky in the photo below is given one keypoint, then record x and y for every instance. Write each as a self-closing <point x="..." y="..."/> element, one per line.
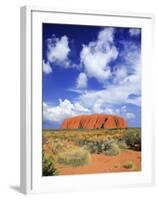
<point x="91" y="69"/>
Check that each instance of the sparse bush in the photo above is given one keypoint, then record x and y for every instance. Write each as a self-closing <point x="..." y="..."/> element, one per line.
<point x="74" y="157"/>
<point x="122" y="144"/>
<point x="113" y="150"/>
<point x="133" y="139"/>
<point x="49" y="168"/>
<point x="94" y="148"/>
<point x="57" y="147"/>
<point x="128" y="165"/>
<point x="108" y="147"/>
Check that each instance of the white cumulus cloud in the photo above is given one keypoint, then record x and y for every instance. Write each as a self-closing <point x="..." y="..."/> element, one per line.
<point x="119" y="73"/>
<point x="63" y="110"/>
<point x="46" y="67"/>
<point x="81" y="81"/>
<point x="99" y="107"/>
<point x="57" y="53"/>
<point x="130" y="70"/>
<point x="114" y="95"/>
<point x="96" y="56"/>
<point x="58" y="49"/>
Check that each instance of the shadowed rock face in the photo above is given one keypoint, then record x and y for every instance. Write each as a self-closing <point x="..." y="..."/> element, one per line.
<point x="94" y="121"/>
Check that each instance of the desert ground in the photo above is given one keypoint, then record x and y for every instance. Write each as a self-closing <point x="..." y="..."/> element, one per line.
<point x="87" y="151"/>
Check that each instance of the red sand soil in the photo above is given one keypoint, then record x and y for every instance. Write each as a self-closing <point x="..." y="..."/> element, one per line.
<point x="101" y="163"/>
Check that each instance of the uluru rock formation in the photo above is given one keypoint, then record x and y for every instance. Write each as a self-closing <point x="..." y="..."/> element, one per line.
<point x="94" y="121"/>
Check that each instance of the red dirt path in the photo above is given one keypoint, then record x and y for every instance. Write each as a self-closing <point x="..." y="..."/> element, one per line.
<point x="101" y="163"/>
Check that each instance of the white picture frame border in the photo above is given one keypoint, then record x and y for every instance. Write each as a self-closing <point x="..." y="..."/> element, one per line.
<point x="31" y="183"/>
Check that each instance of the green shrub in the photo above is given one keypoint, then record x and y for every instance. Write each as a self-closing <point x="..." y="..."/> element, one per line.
<point x="49" y="168"/>
<point x="122" y="144"/>
<point x="74" y="157"/>
<point x="108" y="147"/>
<point x="94" y="148"/>
<point x="129" y="165"/>
<point x="113" y="150"/>
<point x="133" y="138"/>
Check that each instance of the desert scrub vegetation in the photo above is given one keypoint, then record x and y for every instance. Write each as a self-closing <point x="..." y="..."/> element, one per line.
<point x="74" y="158"/>
<point x="108" y="147"/>
<point x="73" y="147"/>
<point x="84" y="134"/>
<point x="57" y="146"/>
<point x="128" y="165"/>
<point x="113" y="150"/>
<point x="48" y="165"/>
<point x="122" y="144"/>
<point x="133" y="138"/>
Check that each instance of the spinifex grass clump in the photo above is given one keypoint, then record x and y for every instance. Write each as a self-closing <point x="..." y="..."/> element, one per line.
<point x="74" y="157"/>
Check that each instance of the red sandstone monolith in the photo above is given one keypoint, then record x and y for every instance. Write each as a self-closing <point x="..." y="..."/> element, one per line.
<point x="94" y="121"/>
